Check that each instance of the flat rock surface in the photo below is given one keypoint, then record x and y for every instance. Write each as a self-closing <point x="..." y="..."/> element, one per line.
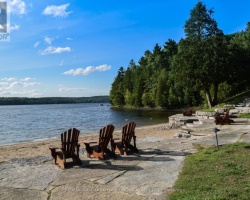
<point x="29" y="177"/>
<point x="149" y="174"/>
<point x="9" y="193"/>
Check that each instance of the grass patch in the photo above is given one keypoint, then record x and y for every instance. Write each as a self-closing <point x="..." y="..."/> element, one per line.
<point x="244" y="115"/>
<point x="211" y="174"/>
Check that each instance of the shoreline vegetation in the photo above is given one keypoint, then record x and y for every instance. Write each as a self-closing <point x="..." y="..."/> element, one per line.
<point x="52" y="100"/>
<point x="4" y="101"/>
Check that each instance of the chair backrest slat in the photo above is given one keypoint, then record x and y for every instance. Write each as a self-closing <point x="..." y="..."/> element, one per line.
<point x="128" y="132"/>
<point x="106" y="134"/>
<point x="69" y="140"/>
<point x="69" y="144"/>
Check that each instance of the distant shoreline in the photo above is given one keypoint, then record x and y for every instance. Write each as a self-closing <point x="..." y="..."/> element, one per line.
<point x="52" y="100"/>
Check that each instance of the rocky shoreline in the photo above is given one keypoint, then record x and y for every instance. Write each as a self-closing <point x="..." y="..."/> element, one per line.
<point x="28" y="171"/>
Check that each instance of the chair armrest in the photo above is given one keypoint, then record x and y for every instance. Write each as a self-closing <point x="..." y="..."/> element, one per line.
<point x="90" y="141"/>
<point x="53" y="150"/>
<point x="52" y="147"/>
<point x="117" y="138"/>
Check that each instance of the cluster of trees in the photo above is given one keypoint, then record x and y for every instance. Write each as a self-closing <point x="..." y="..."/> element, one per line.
<point x="205" y="67"/>
<point x="52" y="100"/>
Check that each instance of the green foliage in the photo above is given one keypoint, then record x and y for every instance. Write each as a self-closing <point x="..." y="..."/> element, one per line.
<point x="244" y="116"/>
<point x="224" y="91"/>
<point x="202" y="57"/>
<point x="147" y="100"/>
<point x="172" y="98"/>
<point x="52" y="100"/>
<point x="117" y="90"/>
<point x="212" y="174"/>
<point x="129" y="98"/>
<point x="161" y="98"/>
<point x="205" y="68"/>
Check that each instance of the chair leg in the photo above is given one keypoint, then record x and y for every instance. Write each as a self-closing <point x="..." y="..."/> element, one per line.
<point x="88" y="150"/>
<point x="53" y="154"/>
<point x="119" y="150"/>
<point x="76" y="159"/>
<point x="60" y="162"/>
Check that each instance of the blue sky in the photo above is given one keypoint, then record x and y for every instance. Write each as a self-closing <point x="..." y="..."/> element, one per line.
<point x="75" y="48"/>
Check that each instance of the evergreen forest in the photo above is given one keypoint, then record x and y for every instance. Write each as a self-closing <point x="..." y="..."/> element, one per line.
<point x="204" y="68"/>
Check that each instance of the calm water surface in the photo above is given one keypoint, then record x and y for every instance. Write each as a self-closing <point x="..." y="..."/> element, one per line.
<point x="24" y="123"/>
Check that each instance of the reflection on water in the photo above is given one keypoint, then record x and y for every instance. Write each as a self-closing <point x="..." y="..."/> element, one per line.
<point x="34" y="122"/>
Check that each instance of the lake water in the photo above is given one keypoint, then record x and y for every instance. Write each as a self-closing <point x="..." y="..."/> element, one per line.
<point x="22" y="123"/>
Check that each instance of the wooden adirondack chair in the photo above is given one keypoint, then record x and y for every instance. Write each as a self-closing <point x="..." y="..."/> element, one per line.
<point x="222" y="120"/>
<point x="101" y="148"/>
<point x="124" y="144"/>
<point x="188" y="112"/>
<point x="69" y="148"/>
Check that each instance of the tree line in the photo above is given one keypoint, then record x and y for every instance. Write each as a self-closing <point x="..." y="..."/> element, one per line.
<point x="204" y="68"/>
<point x="52" y="100"/>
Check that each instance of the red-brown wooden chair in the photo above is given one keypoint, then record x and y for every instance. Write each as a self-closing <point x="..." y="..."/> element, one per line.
<point x="69" y="148"/>
<point x="100" y="150"/>
<point x="188" y="112"/>
<point x="223" y="120"/>
<point x="123" y="145"/>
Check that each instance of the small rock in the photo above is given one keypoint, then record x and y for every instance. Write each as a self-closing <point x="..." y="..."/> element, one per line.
<point x="178" y="134"/>
<point x="185" y="135"/>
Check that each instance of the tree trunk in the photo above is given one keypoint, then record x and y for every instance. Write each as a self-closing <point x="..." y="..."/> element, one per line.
<point x="209" y="99"/>
<point x="215" y="100"/>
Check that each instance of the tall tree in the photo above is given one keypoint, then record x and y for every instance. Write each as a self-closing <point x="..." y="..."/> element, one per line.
<point x="128" y="77"/>
<point x="138" y="87"/>
<point x="200" y="62"/>
<point x="239" y="59"/>
<point x="128" y="83"/>
<point x="117" y="90"/>
<point x="170" y="49"/>
<point x="162" y="90"/>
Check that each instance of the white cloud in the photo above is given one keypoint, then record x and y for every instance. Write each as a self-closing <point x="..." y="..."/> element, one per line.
<point x="68" y="38"/>
<point x="14" y="27"/>
<point x="87" y="70"/>
<point x="103" y="67"/>
<point x="30" y="84"/>
<point x="12" y="83"/>
<point x="18" y="7"/>
<point x="23" y="93"/>
<point x="21" y="84"/>
<point x="36" y="44"/>
<point x="3" y="84"/>
<point x="48" y="40"/>
<point x="9" y="79"/>
<point x="57" y="11"/>
<point x="27" y="79"/>
<point x="18" y="87"/>
<point x="90" y="91"/>
<point x="66" y="89"/>
<point x="55" y="50"/>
